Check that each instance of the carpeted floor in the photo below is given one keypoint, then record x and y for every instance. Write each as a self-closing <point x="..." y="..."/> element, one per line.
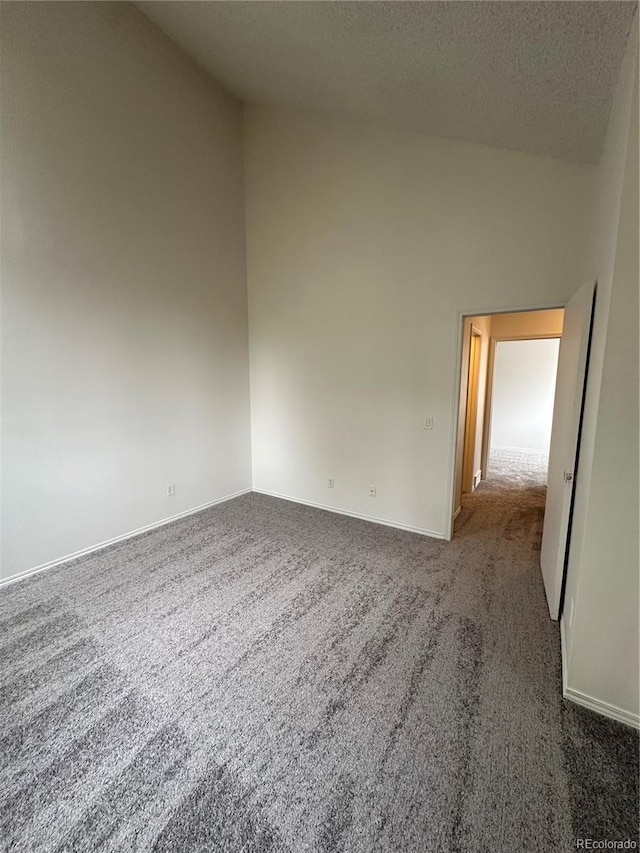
<point x="269" y="677"/>
<point x="510" y="467"/>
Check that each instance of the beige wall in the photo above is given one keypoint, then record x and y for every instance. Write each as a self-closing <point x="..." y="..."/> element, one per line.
<point x="363" y="244"/>
<point x="527" y="324"/>
<point x="124" y="326"/>
<point x="601" y="615"/>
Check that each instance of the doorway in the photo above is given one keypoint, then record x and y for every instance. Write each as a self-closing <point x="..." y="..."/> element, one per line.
<point x="507" y="380"/>
<point x="574" y="325"/>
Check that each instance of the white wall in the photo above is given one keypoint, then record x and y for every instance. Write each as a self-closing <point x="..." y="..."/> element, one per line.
<point x="526" y="324"/>
<point x="124" y="329"/>
<point x="363" y="244"/>
<point x="601" y="641"/>
<point x="524" y="381"/>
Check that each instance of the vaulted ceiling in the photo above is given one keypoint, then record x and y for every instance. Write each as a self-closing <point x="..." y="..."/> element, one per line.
<point x="529" y="76"/>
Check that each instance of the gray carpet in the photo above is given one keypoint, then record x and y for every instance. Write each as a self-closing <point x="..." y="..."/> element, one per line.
<point x="511" y="467"/>
<point x="269" y="677"/>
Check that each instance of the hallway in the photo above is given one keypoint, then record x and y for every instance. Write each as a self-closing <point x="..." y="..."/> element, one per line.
<point x="265" y="676"/>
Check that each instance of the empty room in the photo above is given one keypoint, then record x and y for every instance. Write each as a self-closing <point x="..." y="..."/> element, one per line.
<point x="290" y="561"/>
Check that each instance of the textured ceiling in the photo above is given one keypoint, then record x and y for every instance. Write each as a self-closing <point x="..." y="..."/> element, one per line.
<point x="530" y="76"/>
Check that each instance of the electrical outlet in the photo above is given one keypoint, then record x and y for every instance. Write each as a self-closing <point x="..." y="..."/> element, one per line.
<point x="428" y="423"/>
<point x="372" y="491"/>
<point x="171" y="489"/>
<point x="331" y="482"/>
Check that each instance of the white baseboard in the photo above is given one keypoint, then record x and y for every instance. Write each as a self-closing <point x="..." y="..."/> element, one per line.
<point x="371" y="518"/>
<point x="457" y="512"/>
<point x="154" y="525"/>
<point x="604" y="708"/>
<point x="586" y="701"/>
<point x="130" y="535"/>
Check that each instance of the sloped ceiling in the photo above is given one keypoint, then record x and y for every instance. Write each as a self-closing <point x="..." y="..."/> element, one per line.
<point x="529" y="76"/>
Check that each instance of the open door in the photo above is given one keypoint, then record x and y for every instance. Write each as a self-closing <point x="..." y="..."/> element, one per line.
<point x="565" y="442"/>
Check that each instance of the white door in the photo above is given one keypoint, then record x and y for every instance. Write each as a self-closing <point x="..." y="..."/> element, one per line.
<point x="567" y="411"/>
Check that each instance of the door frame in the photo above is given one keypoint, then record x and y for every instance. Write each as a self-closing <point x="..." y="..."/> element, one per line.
<point x="471" y="409"/>
<point x="456" y="384"/>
